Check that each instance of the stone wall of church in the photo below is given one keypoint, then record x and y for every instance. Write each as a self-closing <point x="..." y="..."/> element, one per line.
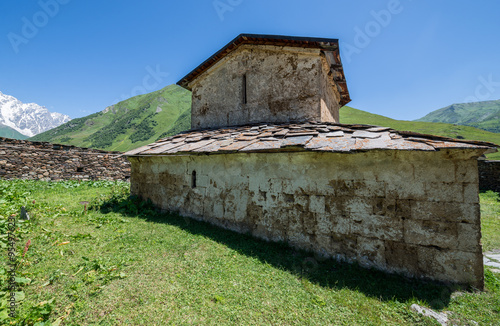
<point x="411" y="212"/>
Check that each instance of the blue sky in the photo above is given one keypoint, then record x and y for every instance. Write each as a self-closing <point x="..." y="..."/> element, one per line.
<point x="402" y="58"/>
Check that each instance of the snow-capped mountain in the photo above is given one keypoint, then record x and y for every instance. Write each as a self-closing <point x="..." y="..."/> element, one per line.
<point x="28" y="118"/>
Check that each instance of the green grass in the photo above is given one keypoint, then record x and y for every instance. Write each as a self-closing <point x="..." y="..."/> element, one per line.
<point x="490" y="220"/>
<point x="350" y="115"/>
<point x="123" y="263"/>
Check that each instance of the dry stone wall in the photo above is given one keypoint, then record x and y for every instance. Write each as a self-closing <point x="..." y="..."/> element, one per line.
<point x="411" y="212"/>
<point x="489" y="175"/>
<point x="22" y="159"/>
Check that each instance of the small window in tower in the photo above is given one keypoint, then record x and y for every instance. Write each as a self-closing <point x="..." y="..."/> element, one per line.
<point x="79" y="169"/>
<point x="193" y="179"/>
<point x="244" y="89"/>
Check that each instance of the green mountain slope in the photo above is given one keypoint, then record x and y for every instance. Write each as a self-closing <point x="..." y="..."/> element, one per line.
<point x="8" y="132"/>
<point x="137" y="121"/>
<point x="351" y="115"/>
<point x="483" y="115"/>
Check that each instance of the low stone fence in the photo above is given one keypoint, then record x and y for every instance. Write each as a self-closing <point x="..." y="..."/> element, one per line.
<point x="489" y="175"/>
<point x="22" y="159"/>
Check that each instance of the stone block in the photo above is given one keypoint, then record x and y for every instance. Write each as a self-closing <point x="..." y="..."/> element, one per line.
<point x="253" y="184"/>
<point x="444" y="192"/>
<point x="309" y="222"/>
<point x="370" y="252"/>
<point x="258" y="198"/>
<point x="445" y="212"/>
<point x="393" y="171"/>
<point x="471" y="193"/>
<point x="288" y="186"/>
<point x="324" y="224"/>
<point x="431" y="233"/>
<point x="295" y="223"/>
<point x="235" y="204"/>
<point x="359" y="206"/>
<point x="401" y="257"/>
<point x="446" y="265"/>
<point x="275" y="186"/>
<point x="405" y="189"/>
<point x="335" y="206"/>
<point x="286" y="200"/>
<point x="317" y="204"/>
<point x="433" y="167"/>
<point x="359" y="188"/>
<point x="323" y="244"/>
<point x="466" y="171"/>
<point x="384" y="206"/>
<point x="344" y="247"/>
<point x="261" y="232"/>
<point x="166" y="178"/>
<point x="272" y="202"/>
<point x="403" y="208"/>
<point x="214" y="208"/>
<point x="202" y="180"/>
<point x="341" y="225"/>
<point x="301" y="202"/>
<point x="254" y="213"/>
<point x="359" y="166"/>
<point x="299" y="240"/>
<point x="377" y="226"/>
<point x="469" y="237"/>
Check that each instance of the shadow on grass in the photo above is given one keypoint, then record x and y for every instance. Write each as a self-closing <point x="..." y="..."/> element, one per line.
<point x="326" y="273"/>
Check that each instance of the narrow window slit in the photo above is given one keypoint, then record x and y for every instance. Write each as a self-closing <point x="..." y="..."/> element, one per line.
<point x="244" y="89"/>
<point x="193" y="179"/>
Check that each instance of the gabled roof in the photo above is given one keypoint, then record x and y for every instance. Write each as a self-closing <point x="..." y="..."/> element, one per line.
<point x="326" y="44"/>
<point x="311" y="136"/>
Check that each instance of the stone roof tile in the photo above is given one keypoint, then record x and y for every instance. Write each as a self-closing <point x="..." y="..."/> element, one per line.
<point x="328" y="137"/>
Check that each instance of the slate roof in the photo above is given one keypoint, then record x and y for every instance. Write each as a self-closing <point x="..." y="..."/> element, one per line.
<point x="327" y="44"/>
<point x="311" y="136"/>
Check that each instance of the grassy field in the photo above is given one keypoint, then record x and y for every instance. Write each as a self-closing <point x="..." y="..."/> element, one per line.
<point x="490" y="220"/>
<point x="122" y="263"/>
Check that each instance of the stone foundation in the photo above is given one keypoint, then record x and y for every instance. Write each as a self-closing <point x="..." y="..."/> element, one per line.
<point x="411" y="212"/>
<point x="22" y="159"/>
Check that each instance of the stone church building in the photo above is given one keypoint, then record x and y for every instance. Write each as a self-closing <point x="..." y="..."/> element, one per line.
<point x="267" y="155"/>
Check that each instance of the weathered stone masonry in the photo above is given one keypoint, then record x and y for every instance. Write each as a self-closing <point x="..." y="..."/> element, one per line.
<point x="489" y="175"/>
<point x="22" y="159"/>
<point x="412" y="212"/>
